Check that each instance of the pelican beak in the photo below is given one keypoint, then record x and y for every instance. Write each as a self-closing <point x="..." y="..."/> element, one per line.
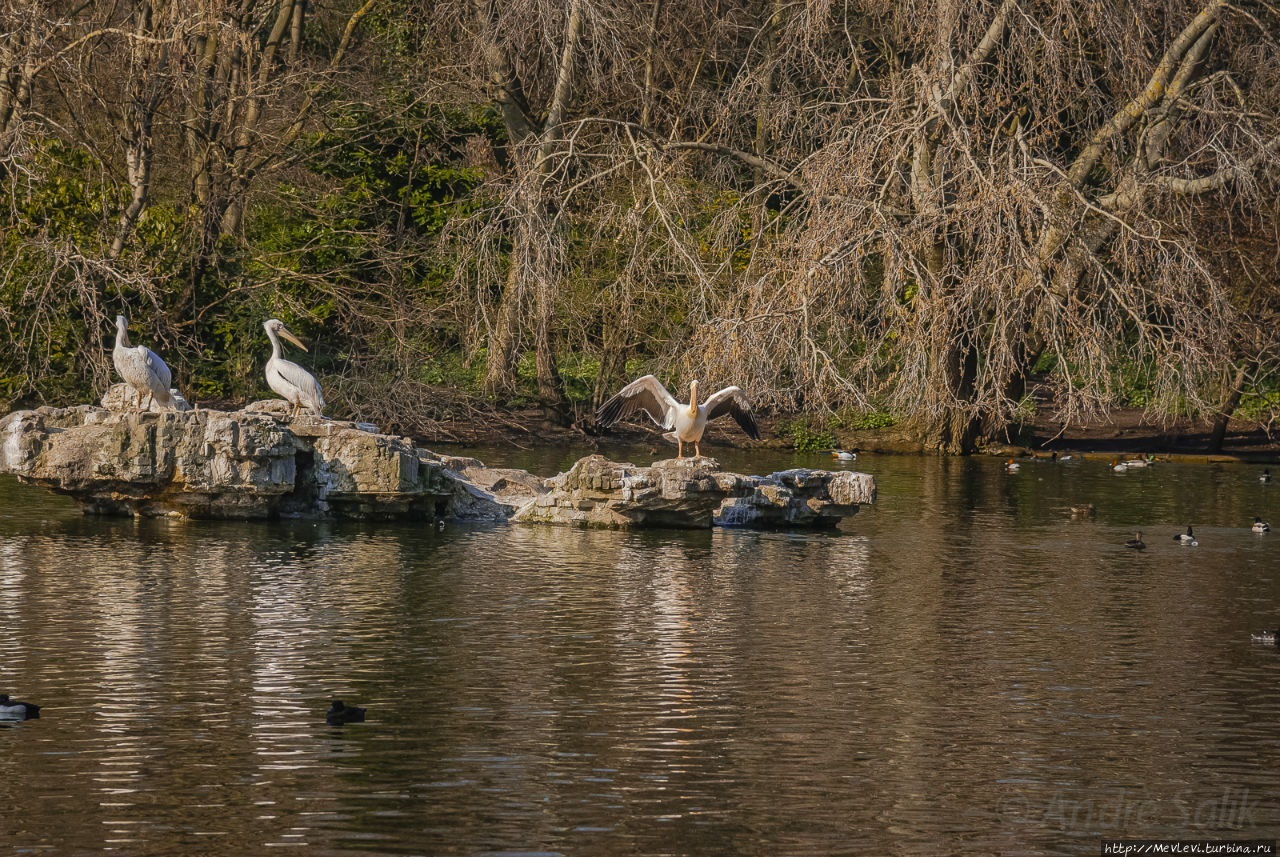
<point x="284" y="331"/>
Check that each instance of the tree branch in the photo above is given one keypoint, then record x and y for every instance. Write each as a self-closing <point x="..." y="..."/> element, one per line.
<point x="1155" y="90"/>
<point x="1219" y="179"/>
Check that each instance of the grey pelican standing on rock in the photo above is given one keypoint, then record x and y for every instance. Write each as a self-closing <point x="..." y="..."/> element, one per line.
<point x="141" y="368"/>
<point x="290" y="381"/>
<point x="685" y="423"/>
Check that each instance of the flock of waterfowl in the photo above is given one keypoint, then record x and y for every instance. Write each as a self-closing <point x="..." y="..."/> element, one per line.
<point x="1187" y="539"/>
<point x="12" y="710"/>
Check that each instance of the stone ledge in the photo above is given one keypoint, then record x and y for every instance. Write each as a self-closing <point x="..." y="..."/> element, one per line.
<point x="695" y="493"/>
<point x="258" y="463"/>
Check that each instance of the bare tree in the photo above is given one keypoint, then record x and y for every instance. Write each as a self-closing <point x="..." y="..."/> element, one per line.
<point x="940" y="196"/>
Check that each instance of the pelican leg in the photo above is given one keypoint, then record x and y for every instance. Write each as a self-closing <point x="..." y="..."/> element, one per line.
<point x="137" y="403"/>
<point x="679" y="448"/>
<point x="151" y="397"/>
<point x="697" y="450"/>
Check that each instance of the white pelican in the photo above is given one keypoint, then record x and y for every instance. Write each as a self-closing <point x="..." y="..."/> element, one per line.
<point x="685" y="423"/>
<point x="290" y="381"/>
<point x="141" y="368"/>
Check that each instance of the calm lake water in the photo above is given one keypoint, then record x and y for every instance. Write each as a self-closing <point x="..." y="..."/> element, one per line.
<point x="962" y="669"/>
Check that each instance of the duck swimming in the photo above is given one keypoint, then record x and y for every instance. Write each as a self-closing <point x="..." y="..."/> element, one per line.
<point x="340" y="713"/>
<point x="1136" y="542"/>
<point x="1012" y="466"/>
<point x="1265" y="475"/>
<point x="1119" y="467"/>
<point x="1272" y="637"/>
<point x="12" y="709"/>
<point x="1187" y="538"/>
<point x="844" y="455"/>
<point x="1260" y="526"/>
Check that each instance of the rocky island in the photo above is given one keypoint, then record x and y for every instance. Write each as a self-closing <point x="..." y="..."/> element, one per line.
<point x="259" y="463"/>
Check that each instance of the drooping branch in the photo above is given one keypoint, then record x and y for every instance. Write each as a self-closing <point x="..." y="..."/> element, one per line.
<point x="1219" y="179"/>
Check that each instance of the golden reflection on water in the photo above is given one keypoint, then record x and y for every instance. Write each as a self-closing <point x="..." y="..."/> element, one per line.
<point x="947" y="668"/>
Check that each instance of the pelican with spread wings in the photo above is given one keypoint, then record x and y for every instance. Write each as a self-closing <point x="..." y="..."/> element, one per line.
<point x="141" y="368"/>
<point x="290" y="381"/>
<point x="685" y="423"/>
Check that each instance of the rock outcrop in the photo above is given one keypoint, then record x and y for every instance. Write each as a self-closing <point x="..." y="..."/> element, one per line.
<point x="695" y="492"/>
<point x="258" y="463"/>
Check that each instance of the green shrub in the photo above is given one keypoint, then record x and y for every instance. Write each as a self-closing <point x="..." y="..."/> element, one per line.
<point x="806" y="437"/>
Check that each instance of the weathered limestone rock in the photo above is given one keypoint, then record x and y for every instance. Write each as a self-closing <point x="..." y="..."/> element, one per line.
<point x="213" y="464"/>
<point x="258" y="463"/>
<point x="122" y="397"/>
<point x="695" y="492"/>
<point x="489" y="493"/>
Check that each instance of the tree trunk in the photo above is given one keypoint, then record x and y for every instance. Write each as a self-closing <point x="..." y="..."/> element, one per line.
<point x="500" y="359"/>
<point x="1219" y="431"/>
<point x="144" y="97"/>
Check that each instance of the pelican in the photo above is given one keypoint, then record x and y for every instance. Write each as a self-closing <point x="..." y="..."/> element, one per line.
<point x="290" y="381"/>
<point x="686" y="423"/>
<point x="1136" y="542"/>
<point x="141" y="368"/>
<point x="1260" y="526"/>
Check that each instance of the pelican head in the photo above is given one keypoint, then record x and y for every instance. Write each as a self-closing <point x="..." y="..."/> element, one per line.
<point x="693" y="397"/>
<point x="275" y="325"/>
<point x="122" y="330"/>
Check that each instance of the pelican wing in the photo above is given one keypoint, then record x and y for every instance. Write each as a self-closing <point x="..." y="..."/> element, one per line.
<point x="159" y="371"/>
<point x="731" y="401"/>
<point x="306" y="387"/>
<point x="643" y="394"/>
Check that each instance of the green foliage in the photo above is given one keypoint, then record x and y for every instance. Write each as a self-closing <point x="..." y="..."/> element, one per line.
<point x="1134" y="384"/>
<point x="1047" y="362"/>
<point x="808" y="436"/>
<point x="871" y="420"/>
<point x="1258" y="407"/>
<point x="578" y="373"/>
